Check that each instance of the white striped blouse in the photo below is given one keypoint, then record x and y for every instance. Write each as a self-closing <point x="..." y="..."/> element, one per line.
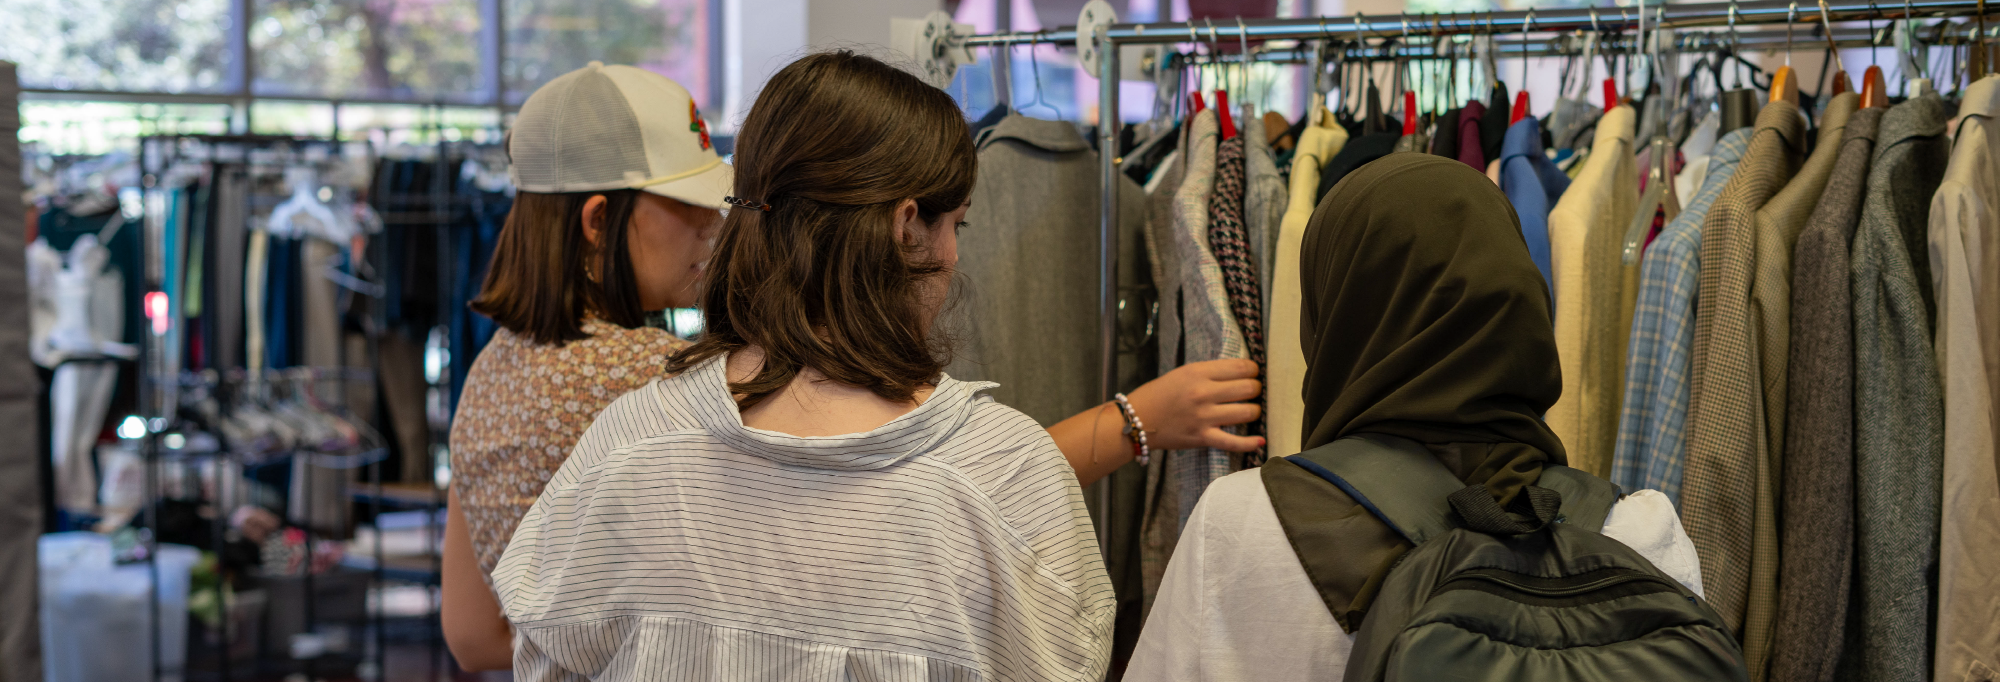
<point x="678" y="544"/>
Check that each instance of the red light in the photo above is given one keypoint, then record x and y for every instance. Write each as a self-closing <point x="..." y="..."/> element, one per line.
<point x="156" y="310"/>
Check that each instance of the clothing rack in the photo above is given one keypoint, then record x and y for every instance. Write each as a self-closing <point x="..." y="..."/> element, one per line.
<point x="1106" y="39"/>
<point x="158" y="155"/>
<point x="1765" y="39"/>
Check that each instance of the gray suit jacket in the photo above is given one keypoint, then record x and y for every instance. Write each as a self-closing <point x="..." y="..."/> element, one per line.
<point x="1816" y="538"/>
<point x="1027" y="315"/>
<point x="1899" y="432"/>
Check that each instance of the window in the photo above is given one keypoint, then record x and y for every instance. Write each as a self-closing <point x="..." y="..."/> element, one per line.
<point x="548" y="38"/>
<point x="452" y="52"/>
<point x="169" y="46"/>
<point x="410" y="50"/>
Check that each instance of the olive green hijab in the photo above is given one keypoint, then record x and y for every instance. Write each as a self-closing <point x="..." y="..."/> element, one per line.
<point x="1424" y="318"/>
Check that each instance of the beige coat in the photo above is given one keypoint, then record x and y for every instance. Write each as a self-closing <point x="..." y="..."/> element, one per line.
<point x="1586" y="234"/>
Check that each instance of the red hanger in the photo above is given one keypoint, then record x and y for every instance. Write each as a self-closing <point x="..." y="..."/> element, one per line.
<point x="1198" y="103"/>
<point x="1610" y="93"/>
<point x="1520" y="108"/>
<point x="1409" y="112"/>
<point x="1222" y="109"/>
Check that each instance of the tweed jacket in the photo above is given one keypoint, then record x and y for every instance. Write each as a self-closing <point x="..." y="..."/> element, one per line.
<point x="1033" y="244"/>
<point x="1816" y="538"/>
<point x="1899" y="429"/>
<point x="1159" y="525"/>
<point x="1777" y="227"/>
<point x="1726" y="465"/>
<point x="1264" y="203"/>
<point x="1586" y="230"/>
<point x="1965" y="262"/>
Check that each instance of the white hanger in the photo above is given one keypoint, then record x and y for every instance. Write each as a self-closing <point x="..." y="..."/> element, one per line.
<point x="304" y="203"/>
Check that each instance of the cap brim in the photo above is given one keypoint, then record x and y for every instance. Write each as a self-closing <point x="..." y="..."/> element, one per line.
<point x="705" y="189"/>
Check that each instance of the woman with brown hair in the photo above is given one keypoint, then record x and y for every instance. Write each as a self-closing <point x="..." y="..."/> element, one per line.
<point x="613" y="217"/>
<point x="810" y="497"/>
<point x="823" y="302"/>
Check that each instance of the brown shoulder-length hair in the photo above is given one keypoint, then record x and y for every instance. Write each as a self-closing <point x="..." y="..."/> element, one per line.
<point x="835" y="141"/>
<point x="546" y="276"/>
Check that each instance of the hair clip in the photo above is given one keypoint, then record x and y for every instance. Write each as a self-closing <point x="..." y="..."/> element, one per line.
<point x="746" y="203"/>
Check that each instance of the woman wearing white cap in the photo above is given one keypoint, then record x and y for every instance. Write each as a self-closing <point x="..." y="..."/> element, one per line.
<point x="618" y="190"/>
<point x="619" y="187"/>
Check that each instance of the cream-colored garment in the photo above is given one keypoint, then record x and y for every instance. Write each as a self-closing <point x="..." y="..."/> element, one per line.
<point x="1285" y="360"/>
<point x="1965" y="269"/>
<point x="1593" y="213"/>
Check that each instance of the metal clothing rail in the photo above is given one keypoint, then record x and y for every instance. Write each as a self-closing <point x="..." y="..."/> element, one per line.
<point x="1844" y="37"/>
<point x="1670" y="16"/>
<point x="1108" y="38"/>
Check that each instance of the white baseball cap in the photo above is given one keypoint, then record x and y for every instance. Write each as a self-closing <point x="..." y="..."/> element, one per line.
<point x="616" y="127"/>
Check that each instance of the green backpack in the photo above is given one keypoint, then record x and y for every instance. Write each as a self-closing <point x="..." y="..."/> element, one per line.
<point x="1531" y="593"/>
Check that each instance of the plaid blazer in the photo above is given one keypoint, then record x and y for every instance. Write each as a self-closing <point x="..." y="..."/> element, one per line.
<point x="1652" y="441"/>
<point x="1726" y="464"/>
<point x="1777" y="230"/>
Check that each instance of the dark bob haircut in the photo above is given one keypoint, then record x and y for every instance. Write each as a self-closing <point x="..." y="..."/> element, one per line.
<point x="834" y="143"/>
<point x="546" y="276"/>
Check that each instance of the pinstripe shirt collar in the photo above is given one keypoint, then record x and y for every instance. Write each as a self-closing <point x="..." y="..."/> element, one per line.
<point x="903" y="437"/>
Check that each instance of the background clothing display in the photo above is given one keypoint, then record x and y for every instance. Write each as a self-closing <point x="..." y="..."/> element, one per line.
<point x="1002" y="514"/>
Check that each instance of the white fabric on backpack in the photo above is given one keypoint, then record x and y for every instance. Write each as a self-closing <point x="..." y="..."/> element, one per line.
<point x="1236" y="603"/>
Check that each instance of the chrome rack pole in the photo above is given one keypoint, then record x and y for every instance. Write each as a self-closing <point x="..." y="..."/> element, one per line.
<point x="1107" y="238"/>
<point x="1107" y="244"/>
<point x="1671" y="16"/>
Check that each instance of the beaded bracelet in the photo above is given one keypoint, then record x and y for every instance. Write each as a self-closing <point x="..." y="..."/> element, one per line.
<point x="1135" y="430"/>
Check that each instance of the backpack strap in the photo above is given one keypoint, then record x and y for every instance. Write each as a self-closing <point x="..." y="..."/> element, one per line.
<point x="1586" y="499"/>
<point x="1396" y="479"/>
<point x="1401" y="483"/>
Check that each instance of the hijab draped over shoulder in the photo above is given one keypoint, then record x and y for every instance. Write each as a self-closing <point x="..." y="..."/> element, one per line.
<point x="1424" y="318"/>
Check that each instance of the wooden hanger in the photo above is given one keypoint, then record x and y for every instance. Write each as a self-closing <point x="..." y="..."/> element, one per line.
<point x="1784" y="86"/>
<point x="1841" y="83"/>
<point x="1874" y="92"/>
<point x="1785" y="83"/>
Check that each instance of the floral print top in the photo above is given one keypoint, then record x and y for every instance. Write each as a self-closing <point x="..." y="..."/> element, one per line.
<point x="524" y="407"/>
